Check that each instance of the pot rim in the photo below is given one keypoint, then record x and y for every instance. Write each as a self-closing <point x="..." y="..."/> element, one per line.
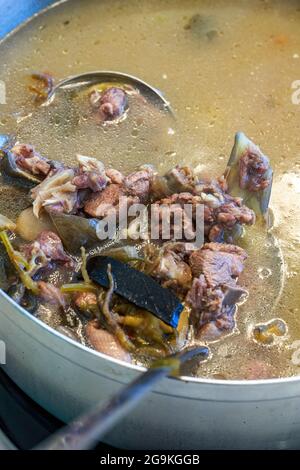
<point x="194" y="380"/>
<point x="24" y="23"/>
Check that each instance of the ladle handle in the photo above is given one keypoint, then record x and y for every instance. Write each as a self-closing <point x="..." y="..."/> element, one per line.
<point x="86" y="431"/>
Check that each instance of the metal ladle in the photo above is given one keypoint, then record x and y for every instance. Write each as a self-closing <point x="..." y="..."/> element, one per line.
<point x="88" y="429"/>
<point x="90" y="78"/>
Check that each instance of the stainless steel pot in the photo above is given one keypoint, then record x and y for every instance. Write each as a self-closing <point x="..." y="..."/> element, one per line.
<point x="66" y="378"/>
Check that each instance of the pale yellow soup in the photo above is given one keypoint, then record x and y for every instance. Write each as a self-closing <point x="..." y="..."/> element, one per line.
<point x="239" y="78"/>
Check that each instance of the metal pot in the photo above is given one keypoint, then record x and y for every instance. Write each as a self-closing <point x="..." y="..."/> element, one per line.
<point x="66" y="378"/>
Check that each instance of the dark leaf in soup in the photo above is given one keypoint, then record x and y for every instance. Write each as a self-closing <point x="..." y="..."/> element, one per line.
<point x="75" y="231"/>
<point x="137" y="287"/>
<point x="6" y="142"/>
<point x="249" y="175"/>
<point x="9" y="167"/>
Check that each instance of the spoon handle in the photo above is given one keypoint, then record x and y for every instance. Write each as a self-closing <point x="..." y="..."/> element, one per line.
<point x="87" y="430"/>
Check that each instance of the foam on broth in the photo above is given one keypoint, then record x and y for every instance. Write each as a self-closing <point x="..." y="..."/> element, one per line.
<point x="239" y="80"/>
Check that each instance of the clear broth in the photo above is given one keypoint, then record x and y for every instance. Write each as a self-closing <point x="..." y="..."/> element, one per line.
<point x="239" y="79"/>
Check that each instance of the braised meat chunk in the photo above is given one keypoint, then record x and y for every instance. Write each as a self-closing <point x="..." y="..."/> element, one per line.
<point x="110" y="104"/>
<point x="214" y="292"/>
<point x="29" y="160"/>
<point x="145" y="296"/>
<point x="253" y="169"/>
<point x="90" y="175"/>
<point x="220" y="264"/>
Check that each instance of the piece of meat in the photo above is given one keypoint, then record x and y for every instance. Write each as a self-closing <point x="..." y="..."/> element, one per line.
<point x="180" y="179"/>
<point x="252" y="170"/>
<point x="223" y="214"/>
<point x="206" y="302"/>
<point x="173" y="220"/>
<point x="214" y="292"/>
<point x="91" y="174"/>
<point x="232" y="212"/>
<point x="56" y="191"/>
<point x="43" y="252"/>
<point x="90" y="180"/>
<point x="52" y="246"/>
<point x="109" y="202"/>
<point x="51" y="294"/>
<point x="214" y="329"/>
<point x="105" y="342"/>
<point x="101" y="204"/>
<point x="210" y="315"/>
<point x="172" y="270"/>
<point x="86" y="302"/>
<point x="111" y="104"/>
<point x="29" y="160"/>
<point x="137" y="184"/>
<point x="221" y="264"/>
<point x="115" y="176"/>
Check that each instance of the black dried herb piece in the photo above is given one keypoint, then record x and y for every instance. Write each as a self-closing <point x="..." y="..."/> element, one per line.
<point x="137" y="287"/>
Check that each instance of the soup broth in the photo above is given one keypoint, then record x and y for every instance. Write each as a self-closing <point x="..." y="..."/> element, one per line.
<point x="225" y="66"/>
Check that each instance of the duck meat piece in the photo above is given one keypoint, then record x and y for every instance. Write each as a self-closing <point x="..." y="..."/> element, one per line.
<point x="213" y="308"/>
<point x="135" y="188"/>
<point x="29" y="160"/>
<point x="233" y="212"/>
<point x="103" y="203"/>
<point x="91" y="174"/>
<point x="46" y="249"/>
<point x="180" y="179"/>
<point x="57" y="192"/>
<point x="115" y="176"/>
<point x="86" y="303"/>
<point x="51" y="294"/>
<point x="174" y="221"/>
<point x="110" y="104"/>
<point x="213" y="330"/>
<point x="138" y="184"/>
<point x="52" y="246"/>
<point x="223" y="214"/>
<point x="206" y="302"/>
<point x="253" y="170"/>
<point x="214" y="293"/>
<point x="172" y="271"/>
<point x="221" y="264"/>
<point x="105" y="342"/>
<point x="108" y="202"/>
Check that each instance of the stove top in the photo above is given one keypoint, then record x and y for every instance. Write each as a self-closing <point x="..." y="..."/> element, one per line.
<point x="23" y="423"/>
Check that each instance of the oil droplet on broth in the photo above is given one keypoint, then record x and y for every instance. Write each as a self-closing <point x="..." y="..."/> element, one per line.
<point x="264" y="273"/>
